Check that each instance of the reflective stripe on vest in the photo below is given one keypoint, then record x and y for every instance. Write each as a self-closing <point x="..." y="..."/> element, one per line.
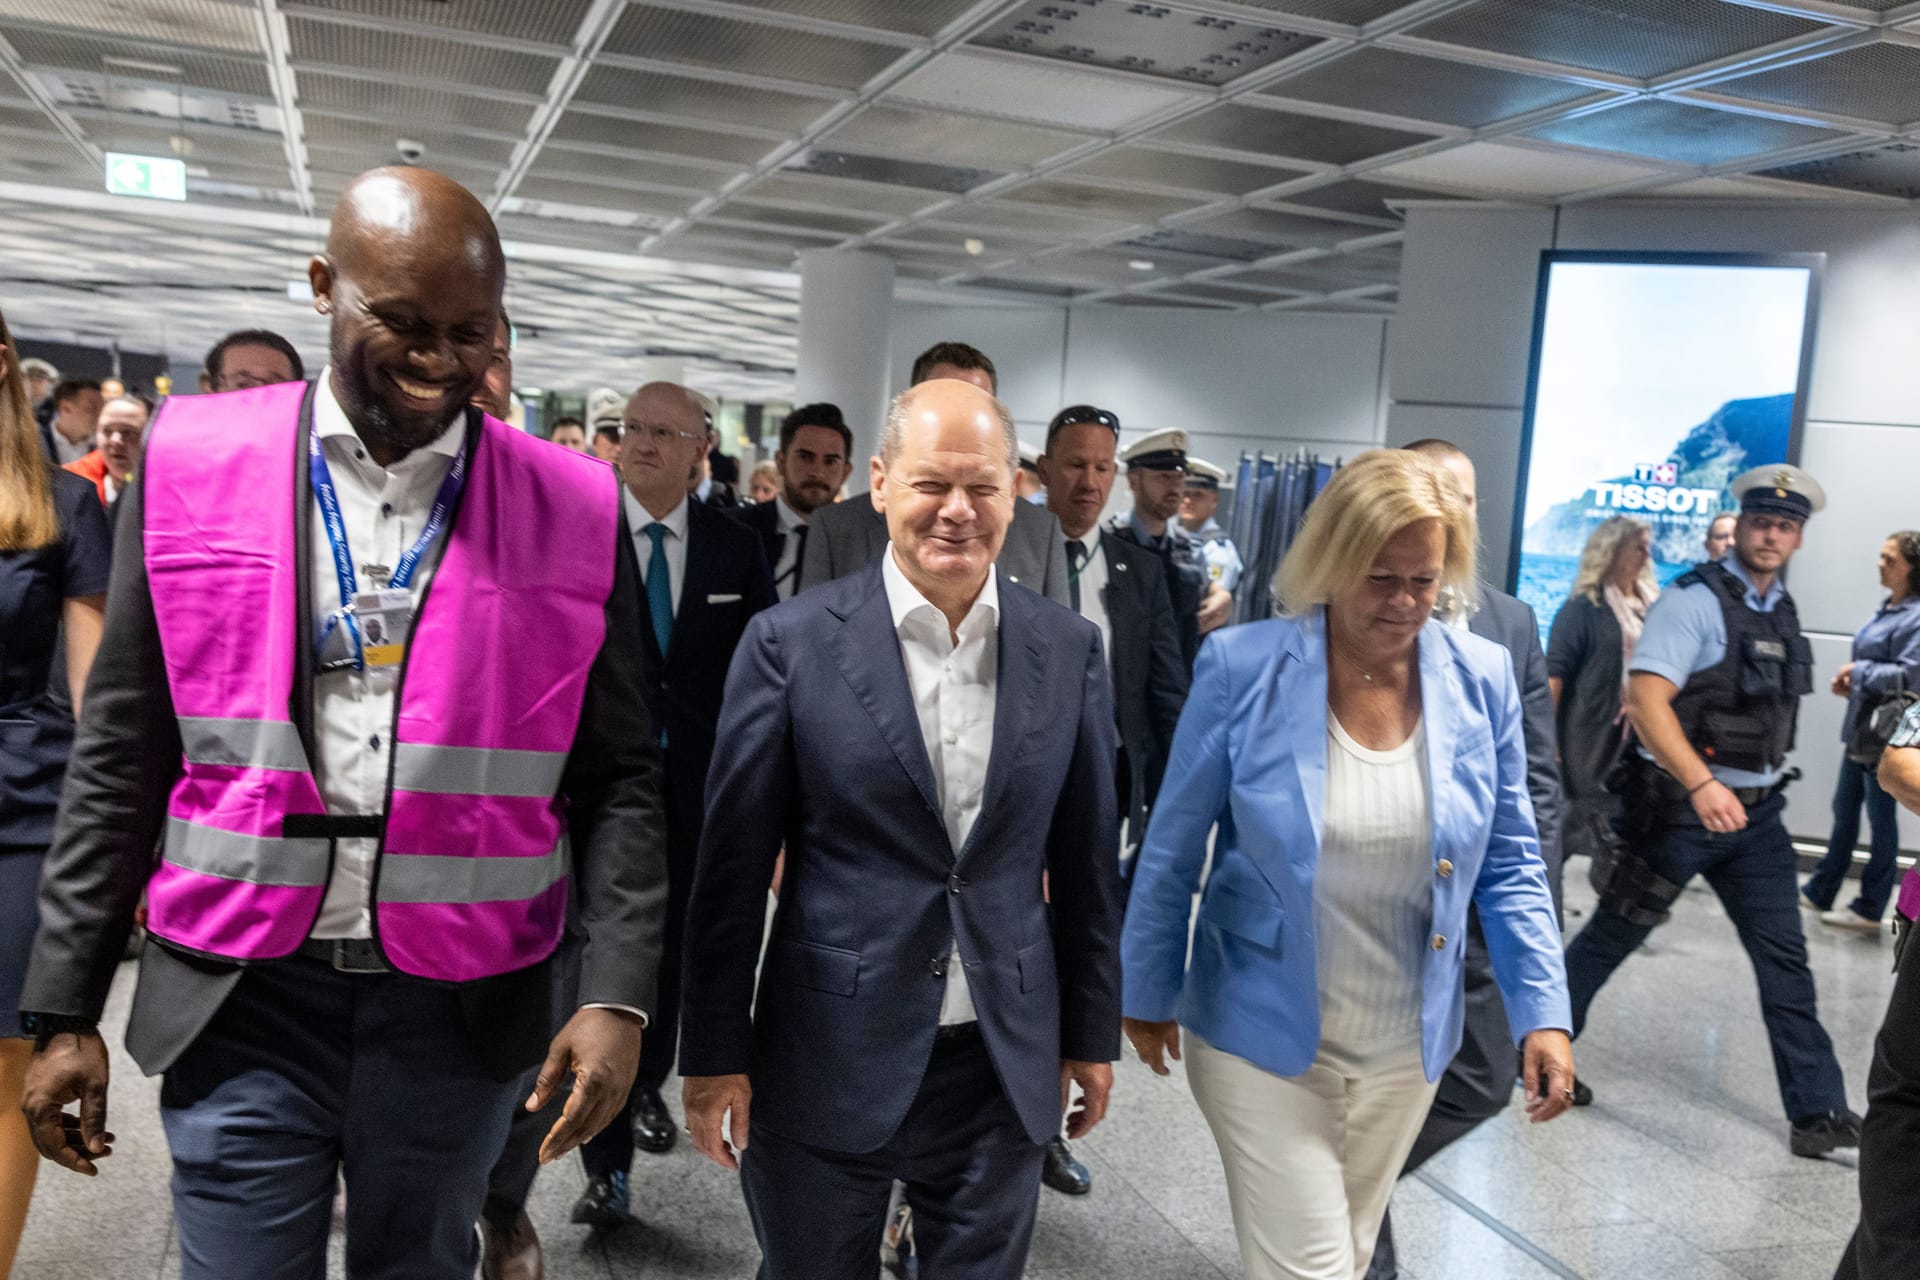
<point x="471" y="871"/>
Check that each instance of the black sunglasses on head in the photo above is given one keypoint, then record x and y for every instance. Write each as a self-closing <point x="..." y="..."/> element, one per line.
<point x="1079" y="414"/>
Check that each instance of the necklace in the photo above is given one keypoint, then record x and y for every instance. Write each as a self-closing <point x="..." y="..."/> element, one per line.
<point x="1354" y="663"/>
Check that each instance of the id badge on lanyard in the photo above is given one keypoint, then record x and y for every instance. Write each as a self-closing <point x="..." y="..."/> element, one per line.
<point x="371" y="628"/>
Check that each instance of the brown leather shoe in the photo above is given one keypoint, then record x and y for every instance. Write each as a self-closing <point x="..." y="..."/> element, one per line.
<point x="511" y="1255"/>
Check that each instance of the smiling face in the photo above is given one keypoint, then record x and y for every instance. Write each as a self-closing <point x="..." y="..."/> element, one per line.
<point x="947" y="491"/>
<point x="1079" y="471"/>
<point x="412" y="279"/>
<point x="1380" y="616"/>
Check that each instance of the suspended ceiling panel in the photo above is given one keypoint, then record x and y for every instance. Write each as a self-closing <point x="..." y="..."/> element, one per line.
<point x="1361" y="198"/>
<point x="1351" y="12"/>
<point x="1680" y="134"/>
<point x="647" y="31"/>
<point x="910" y="17"/>
<point x="551" y="22"/>
<point x="1401" y="84"/>
<point x="635" y="174"/>
<point x="891" y="201"/>
<point x="950" y="138"/>
<point x="1175" y="171"/>
<point x="1879" y="82"/>
<point x="1288" y="135"/>
<point x="408" y="105"/>
<point x="1035" y="92"/>
<point x="669" y="95"/>
<point x="1150" y="39"/>
<point x="211" y="23"/>
<point x="132" y="61"/>
<point x="1639" y="38"/>
<point x="631" y="135"/>
<point x="484" y="67"/>
<point x="1102" y="202"/>
<point x="371" y="144"/>
<point x="1891" y="170"/>
<point x="878" y="170"/>
<point x="1503" y="169"/>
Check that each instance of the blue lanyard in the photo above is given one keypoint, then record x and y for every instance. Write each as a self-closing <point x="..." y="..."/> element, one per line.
<point x="321" y="477"/>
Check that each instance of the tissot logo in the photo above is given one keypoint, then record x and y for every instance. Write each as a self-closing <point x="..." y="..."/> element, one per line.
<point x="1657" y="472"/>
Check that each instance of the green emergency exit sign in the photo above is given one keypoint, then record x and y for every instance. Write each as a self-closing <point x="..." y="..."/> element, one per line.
<point x="150" y="176"/>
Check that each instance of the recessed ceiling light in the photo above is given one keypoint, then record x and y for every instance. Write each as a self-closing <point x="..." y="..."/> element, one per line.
<point x="974" y="245"/>
<point x="1141" y="264"/>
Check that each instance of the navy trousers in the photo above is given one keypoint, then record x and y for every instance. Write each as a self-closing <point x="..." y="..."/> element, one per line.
<point x="972" y="1176"/>
<point x="1858" y="785"/>
<point x="1886" y="1245"/>
<point x="1753" y="873"/>
<point x="305" y="1074"/>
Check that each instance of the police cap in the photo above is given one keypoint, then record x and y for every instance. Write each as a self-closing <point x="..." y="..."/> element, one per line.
<point x="1202" y="474"/>
<point x="1778" y="489"/>
<point x="1161" y="451"/>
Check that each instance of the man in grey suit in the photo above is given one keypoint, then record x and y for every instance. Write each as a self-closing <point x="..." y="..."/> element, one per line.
<point x="848" y="536"/>
<point x="1478" y="1083"/>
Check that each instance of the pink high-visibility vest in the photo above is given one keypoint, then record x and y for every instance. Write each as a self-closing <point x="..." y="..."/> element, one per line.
<point x="471" y="878"/>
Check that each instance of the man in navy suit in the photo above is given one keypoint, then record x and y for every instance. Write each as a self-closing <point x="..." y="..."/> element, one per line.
<point x="934" y="745"/>
<point x="814" y="460"/>
<point x="704" y="577"/>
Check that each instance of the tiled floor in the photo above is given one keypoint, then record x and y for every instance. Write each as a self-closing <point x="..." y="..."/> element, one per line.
<point x="1680" y="1170"/>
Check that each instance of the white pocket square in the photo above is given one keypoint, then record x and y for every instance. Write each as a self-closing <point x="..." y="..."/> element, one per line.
<point x="724" y="599"/>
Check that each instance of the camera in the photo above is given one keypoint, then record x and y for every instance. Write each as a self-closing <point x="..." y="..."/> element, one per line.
<point x="410" y="151"/>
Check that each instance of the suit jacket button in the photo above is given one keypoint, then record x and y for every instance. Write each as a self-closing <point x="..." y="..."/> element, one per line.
<point x="1439" y="942"/>
<point x="955" y="884"/>
<point x="938" y="966"/>
<point x="1445" y="869"/>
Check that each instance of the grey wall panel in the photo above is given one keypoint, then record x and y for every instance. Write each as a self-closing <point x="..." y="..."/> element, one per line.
<point x="1864" y="370"/>
<point x="1264" y="375"/>
<point x="1491" y="438"/>
<point x="1026" y="345"/>
<point x="1869" y="475"/>
<point x="1465" y="322"/>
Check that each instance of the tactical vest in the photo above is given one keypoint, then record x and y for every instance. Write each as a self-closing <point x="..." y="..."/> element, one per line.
<point x="471" y="875"/>
<point x="1741" y="712"/>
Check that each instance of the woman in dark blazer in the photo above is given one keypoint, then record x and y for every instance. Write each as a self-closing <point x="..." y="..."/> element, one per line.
<point x="53" y="575"/>
<point x="1588" y="649"/>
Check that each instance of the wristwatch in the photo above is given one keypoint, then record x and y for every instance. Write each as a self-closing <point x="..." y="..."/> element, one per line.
<point x="45" y="1026"/>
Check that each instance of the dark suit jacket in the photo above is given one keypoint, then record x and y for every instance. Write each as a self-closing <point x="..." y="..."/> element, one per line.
<point x="126" y="759"/>
<point x="1510" y="623"/>
<point x="820" y="748"/>
<point x="845" y="537"/>
<point x="726" y="583"/>
<point x="1149" y="671"/>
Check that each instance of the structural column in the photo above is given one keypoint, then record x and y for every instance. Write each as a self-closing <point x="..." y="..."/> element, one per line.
<point x="846" y="312"/>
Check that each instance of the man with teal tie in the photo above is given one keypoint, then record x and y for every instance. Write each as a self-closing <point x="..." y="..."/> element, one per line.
<point x="705" y="575"/>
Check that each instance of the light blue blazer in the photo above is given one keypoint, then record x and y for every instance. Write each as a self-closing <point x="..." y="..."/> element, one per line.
<point x="1251" y="754"/>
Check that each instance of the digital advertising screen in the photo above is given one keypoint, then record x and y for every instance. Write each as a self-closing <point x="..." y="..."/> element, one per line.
<point x="1656" y="379"/>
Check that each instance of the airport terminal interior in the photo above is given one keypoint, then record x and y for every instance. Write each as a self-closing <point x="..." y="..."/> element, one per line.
<point x="1290" y="230"/>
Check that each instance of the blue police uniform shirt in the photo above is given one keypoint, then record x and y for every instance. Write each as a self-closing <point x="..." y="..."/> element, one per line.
<point x="1685" y="632"/>
<point x="1218" y="555"/>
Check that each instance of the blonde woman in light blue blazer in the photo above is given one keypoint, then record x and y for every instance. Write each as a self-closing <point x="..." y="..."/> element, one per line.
<point x="1364" y="764"/>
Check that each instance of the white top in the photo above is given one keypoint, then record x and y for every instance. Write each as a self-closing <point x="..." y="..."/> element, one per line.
<point x="786" y="574"/>
<point x="1373" y="894"/>
<point x="953" y="694"/>
<point x="1093" y="587"/>
<point x="675" y="543"/>
<point x="65" y="450"/>
<point x="383" y="509"/>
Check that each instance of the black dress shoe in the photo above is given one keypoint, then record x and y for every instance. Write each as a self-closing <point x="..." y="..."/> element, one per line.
<point x="603" y="1205"/>
<point x="1815" y="1136"/>
<point x="1062" y="1172"/>
<point x="652" y="1126"/>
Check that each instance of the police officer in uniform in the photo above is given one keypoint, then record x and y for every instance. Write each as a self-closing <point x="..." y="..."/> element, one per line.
<point x="1218" y="555"/>
<point x="1156" y="473"/>
<point x="1713" y="696"/>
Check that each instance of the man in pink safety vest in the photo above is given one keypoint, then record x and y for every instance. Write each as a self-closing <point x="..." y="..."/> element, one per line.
<point x="389" y="753"/>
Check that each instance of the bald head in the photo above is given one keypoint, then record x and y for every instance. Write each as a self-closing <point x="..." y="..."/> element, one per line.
<point x="663" y="437"/>
<point x="928" y="403"/>
<point x="411" y="281"/>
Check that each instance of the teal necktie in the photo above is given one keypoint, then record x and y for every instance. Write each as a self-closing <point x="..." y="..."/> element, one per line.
<point x="659" y="587"/>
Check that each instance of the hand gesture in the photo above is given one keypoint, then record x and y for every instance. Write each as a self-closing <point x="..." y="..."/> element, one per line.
<point x="601" y="1049"/>
<point x="70" y="1067"/>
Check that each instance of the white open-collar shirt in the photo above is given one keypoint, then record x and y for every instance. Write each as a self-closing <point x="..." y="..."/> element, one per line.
<point x="954" y="684"/>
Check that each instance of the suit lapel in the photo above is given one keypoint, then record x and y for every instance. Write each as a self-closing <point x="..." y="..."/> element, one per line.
<point x="867" y="651"/>
<point x="700" y="578"/>
<point x="1440" y="694"/>
<point x="874" y="527"/>
<point x="1019" y="674"/>
<point x="1126" y="611"/>
<point x="1304" y="695"/>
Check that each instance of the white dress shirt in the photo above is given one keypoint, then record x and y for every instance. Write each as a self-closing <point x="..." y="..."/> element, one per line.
<point x="66" y="450"/>
<point x="638" y="518"/>
<point x="383" y="509"/>
<point x="786" y="574"/>
<point x="953" y="688"/>
<point x="1093" y="587"/>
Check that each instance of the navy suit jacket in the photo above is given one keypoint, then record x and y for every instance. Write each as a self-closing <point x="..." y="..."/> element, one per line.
<point x="726" y="583"/>
<point x="820" y="749"/>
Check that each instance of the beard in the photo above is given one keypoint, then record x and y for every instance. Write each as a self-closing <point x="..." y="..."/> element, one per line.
<point x="376" y="420"/>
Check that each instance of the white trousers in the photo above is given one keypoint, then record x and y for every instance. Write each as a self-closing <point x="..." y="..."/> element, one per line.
<point x="1310" y="1159"/>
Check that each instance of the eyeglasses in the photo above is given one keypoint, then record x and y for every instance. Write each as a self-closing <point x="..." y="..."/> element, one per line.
<point x="242" y="382"/>
<point x="1079" y="414"/>
<point x="658" y="435"/>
